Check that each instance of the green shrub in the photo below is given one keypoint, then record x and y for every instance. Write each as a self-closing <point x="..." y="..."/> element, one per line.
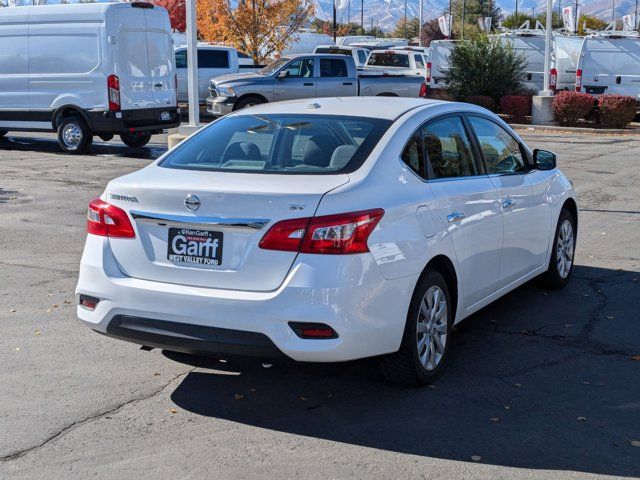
<point x="484" y="66"/>
<point x="569" y="107"/>
<point x="617" y="111"/>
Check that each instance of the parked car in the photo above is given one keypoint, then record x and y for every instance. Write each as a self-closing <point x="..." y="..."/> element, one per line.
<point x="90" y="69"/>
<point x="406" y="62"/>
<point x="609" y="63"/>
<point x="359" y="55"/>
<point x="213" y="61"/>
<point x="564" y="61"/>
<point x="327" y="230"/>
<point x="305" y="76"/>
<point x="438" y="63"/>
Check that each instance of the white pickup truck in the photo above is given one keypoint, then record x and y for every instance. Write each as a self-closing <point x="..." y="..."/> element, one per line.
<point x="359" y="54"/>
<point x="396" y="61"/>
<point x="306" y="76"/>
<point x="213" y="61"/>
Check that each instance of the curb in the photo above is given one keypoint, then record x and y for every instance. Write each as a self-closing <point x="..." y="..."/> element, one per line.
<point x="583" y="130"/>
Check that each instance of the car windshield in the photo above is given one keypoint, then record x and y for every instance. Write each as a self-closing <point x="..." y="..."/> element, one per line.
<point x="272" y="67"/>
<point x="280" y="143"/>
<point x="389" y="59"/>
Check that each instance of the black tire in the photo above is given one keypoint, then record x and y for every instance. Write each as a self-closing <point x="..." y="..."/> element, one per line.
<point x="248" y="102"/>
<point x="405" y="367"/>
<point x="555" y="277"/>
<point x="73" y="135"/>
<point x="3" y="133"/>
<point x="136" y="139"/>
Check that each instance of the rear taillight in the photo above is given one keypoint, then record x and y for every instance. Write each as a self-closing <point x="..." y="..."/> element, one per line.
<point x="330" y="234"/>
<point x="423" y="90"/>
<point x="108" y="220"/>
<point x="428" y="77"/>
<point x="313" y="330"/>
<point x="553" y="79"/>
<point x="88" y="303"/>
<point x="578" y="80"/>
<point x="113" y="87"/>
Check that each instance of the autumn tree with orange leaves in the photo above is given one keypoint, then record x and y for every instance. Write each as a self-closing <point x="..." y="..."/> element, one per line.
<point x="259" y="28"/>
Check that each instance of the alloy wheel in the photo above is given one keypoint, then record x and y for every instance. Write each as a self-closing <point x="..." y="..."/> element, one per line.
<point x="432" y="328"/>
<point x="564" y="249"/>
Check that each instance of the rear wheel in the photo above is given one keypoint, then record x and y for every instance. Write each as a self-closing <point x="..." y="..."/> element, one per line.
<point x="73" y="135"/>
<point x="135" y="139"/>
<point x="427" y="335"/>
<point x="248" y="102"/>
<point x="564" y="244"/>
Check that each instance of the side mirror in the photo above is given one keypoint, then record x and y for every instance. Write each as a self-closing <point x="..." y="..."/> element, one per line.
<point x="544" y="159"/>
<point x="283" y="74"/>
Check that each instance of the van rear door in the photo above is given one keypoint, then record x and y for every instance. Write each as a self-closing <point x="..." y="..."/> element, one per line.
<point x="626" y="68"/>
<point x="161" y="58"/>
<point x="597" y="64"/>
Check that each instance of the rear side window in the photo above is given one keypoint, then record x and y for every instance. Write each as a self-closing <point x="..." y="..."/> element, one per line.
<point x="282" y="144"/>
<point x="213" y="59"/>
<point x="448" y="148"/>
<point x="419" y="61"/>
<point x="412" y="155"/>
<point x="389" y="59"/>
<point x="362" y="56"/>
<point x="330" y="67"/>
<point x="181" y="59"/>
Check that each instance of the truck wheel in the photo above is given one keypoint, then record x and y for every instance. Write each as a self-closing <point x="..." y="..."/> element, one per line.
<point x="73" y="135"/>
<point x="248" y="102"/>
<point x="3" y="132"/>
<point x="135" y="139"/>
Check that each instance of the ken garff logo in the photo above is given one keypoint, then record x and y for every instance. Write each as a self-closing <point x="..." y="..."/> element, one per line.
<point x="192" y="202"/>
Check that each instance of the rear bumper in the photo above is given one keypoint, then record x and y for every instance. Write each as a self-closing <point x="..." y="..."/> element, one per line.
<point x="143" y="119"/>
<point x="345" y="292"/>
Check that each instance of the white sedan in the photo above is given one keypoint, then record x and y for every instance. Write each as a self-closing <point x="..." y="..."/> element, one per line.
<point x="327" y="230"/>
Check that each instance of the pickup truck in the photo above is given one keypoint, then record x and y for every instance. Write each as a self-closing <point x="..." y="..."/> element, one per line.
<point x="403" y="61"/>
<point x="359" y="54"/>
<point x="213" y="61"/>
<point x="306" y="76"/>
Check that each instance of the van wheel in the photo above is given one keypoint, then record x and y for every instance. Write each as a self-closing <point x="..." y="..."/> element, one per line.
<point x="248" y="102"/>
<point x="3" y="132"/>
<point x="135" y="139"/>
<point x="74" y="135"/>
<point x="427" y="335"/>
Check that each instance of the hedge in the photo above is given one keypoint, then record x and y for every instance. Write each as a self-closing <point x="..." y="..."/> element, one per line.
<point x="616" y="111"/>
<point x="517" y="107"/>
<point x="569" y="107"/>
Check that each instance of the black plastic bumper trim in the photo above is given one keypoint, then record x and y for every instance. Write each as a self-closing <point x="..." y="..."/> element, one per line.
<point x="192" y="339"/>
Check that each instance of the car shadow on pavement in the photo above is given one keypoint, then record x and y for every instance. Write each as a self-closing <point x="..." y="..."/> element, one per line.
<point x="539" y="379"/>
<point x="99" y="148"/>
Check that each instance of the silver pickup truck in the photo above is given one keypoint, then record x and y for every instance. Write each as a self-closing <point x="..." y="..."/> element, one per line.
<point x="306" y="76"/>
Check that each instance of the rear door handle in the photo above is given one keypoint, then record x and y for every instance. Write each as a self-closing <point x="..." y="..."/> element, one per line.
<point x="508" y="203"/>
<point x="347" y="83"/>
<point x="455" y="217"/>
<point x="306" y="84"/>
<point x="158" y="85"/>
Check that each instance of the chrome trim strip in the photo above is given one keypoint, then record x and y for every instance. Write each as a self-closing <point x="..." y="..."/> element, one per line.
<point x="181" y="220"/>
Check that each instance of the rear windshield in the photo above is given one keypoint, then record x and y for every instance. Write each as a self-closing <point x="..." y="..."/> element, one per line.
<point x="389" y="60"/>
<point x="282" y="144"/>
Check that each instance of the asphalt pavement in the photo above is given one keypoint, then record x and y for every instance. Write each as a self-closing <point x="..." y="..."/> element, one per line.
<point x="541" y="384"/>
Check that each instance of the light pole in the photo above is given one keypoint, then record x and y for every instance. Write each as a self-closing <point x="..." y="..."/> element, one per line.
<point x="547" y="51"/>
<point x="405" y="18"/>
<point x="362" y="16"/>
<point x="192" y="63"/>
<point x="421" y="20"/>
<point x="464" y="7"/>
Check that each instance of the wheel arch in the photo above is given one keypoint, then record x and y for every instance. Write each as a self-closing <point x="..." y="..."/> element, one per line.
<point x="249" y="95"/>
<point x="443" y="265"/>
<point x="571" y="205"/>
<point x="66" y="111"/>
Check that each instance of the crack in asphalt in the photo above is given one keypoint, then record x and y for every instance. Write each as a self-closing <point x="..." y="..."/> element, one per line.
<point x="92" y="418"/>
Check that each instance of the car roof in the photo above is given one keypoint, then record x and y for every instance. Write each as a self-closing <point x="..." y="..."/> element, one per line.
<point x="387" y="108"/>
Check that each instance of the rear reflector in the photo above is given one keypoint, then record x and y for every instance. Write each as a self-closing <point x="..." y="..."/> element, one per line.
<point x="313" y="330"/>
<point x="108" y="220"/>
<point x="88" y="302"/>
<point x="343" y="233"/>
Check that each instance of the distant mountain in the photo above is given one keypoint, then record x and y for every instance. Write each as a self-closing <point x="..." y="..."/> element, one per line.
<point x="386" y="13"/>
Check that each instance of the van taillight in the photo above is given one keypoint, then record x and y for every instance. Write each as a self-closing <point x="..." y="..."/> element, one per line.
<point x="578" y="80"/>
<point x="108" y="220"/>
<point x="329" y="234"/>
<point x="428" y="77"/>
<point x="553" y="79"/>
<point x="113" y="87"/>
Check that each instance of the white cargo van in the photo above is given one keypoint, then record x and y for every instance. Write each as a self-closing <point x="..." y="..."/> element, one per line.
<point x="529" y="43"/>
<point x="438" y="63"/>
<point x="564" y="62"/>
<point x="609" y="63"/>
<point x="87" y="69"/>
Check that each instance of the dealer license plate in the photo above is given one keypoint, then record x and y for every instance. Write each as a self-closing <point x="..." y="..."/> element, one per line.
<point x="195" y="247"/>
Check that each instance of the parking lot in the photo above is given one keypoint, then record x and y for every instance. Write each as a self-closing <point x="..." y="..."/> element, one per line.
<point x="542" y="384"/>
